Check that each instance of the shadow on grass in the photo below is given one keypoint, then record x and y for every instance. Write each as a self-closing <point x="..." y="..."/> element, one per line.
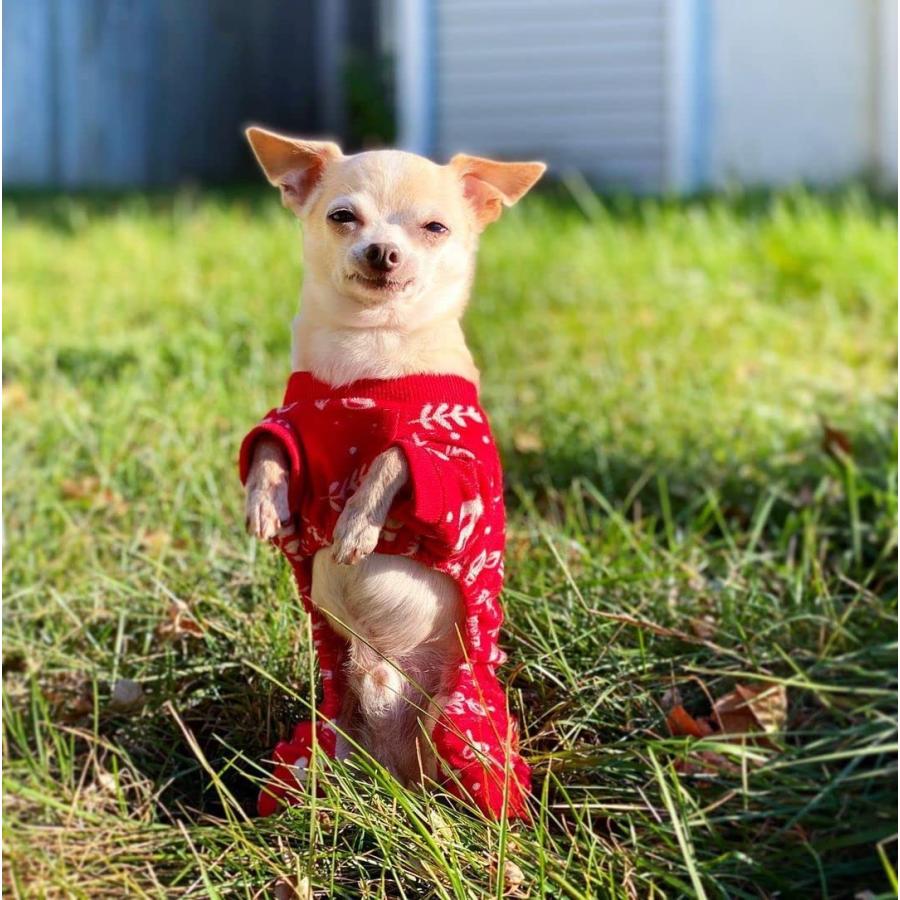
<point x="843" y="494"/>
<point x="234" y="716"/>
<point x="223" y="717"/>
<point x="230" y="717"/>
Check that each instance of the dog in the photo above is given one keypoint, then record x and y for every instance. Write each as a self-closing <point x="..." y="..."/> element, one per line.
<point x="381" y="434"/>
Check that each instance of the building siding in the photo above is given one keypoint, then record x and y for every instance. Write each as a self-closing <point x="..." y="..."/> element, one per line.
<point x="652" y="95"/>
<point x="580" y="83"/>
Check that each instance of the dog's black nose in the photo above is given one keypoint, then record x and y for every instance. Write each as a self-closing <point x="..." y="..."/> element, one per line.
<point x="383" y="257"/>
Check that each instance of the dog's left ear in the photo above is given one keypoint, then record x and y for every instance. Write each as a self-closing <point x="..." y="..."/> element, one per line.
<point x="294" y="165"/>
<point x="490" y="185"/>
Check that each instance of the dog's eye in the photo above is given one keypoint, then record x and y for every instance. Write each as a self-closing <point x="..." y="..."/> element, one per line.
<point x="436" y="228"/>
<point x="342" y="216"/>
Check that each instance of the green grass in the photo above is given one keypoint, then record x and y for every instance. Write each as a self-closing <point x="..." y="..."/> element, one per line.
<point x="658" y="375"/>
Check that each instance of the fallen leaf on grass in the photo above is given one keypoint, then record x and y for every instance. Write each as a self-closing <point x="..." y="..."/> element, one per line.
<point x="513" y="878"/>
<point x="746" y="715"/>
<point x="89" y="489"/>
<point x="835" y="442"/>
<point x="79" y="488"/>
<point x="752" y="708"/>
<point x="179" y="623"/>
<point x="681" y="722"/>
<point x="746" y="711"/>
<point x="155" y="541"/>
<point x="704" y="626"/>
<point x="71" y="697"/>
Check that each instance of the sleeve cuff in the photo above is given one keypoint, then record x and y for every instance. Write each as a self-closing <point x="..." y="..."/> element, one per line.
<point x="426" y="485"/>
<point x="284" y="434"/>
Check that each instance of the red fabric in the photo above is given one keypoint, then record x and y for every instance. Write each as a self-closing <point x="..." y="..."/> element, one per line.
<point x="450" y="518"/>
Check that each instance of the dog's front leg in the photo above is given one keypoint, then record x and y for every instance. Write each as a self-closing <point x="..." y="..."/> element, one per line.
<point x="360" y="522"/>
<point x="267" y="508"/>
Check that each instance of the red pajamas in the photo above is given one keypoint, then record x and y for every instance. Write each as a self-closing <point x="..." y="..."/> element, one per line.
<point x="450" y="517"/>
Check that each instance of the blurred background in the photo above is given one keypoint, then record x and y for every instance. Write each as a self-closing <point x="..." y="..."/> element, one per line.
<point x="643" y="95"/>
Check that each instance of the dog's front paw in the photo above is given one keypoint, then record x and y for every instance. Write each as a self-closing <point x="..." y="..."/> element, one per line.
<point x="267" y="512"/>
<point x="355" y="537"/>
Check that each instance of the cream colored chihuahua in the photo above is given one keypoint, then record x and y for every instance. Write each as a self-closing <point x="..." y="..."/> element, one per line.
<point x="390" y="240"/>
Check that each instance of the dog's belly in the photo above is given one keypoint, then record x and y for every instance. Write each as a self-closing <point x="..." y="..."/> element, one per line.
<point x="393" y="603"/>
<point x="403" y="621"/>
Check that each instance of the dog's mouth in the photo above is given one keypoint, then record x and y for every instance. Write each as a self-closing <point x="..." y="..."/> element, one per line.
<point x="382" y="284"/>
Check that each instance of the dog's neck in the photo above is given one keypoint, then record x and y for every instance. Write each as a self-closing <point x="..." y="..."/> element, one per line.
<point x="337" y="354"/>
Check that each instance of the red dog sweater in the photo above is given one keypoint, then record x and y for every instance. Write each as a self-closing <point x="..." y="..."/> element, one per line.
<point x="450" y="517"/>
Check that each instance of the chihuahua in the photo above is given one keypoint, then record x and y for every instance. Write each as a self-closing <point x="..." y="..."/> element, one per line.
<point x="389" y="247"/>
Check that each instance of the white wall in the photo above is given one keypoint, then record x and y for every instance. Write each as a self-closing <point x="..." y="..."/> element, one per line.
<point x="886" y="92"/>
<point x="796" y="87"/>
<point x="657" y="94"/>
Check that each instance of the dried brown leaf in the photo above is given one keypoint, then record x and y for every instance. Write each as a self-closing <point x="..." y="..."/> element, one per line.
<point x="746" y="715"/>
<point x="179" y="623"/>
<point x="752" y="708"/>
<point x="513" y="878"/>
<point x="89" y="490"/>
<point x="682" y="723"/>
<point x="835" y="442"/>
<point x="71" y="697"/>
<point x="704" y="627"/>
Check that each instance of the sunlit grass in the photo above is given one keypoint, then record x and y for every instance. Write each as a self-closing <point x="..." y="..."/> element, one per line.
<point x="658" y="376"/>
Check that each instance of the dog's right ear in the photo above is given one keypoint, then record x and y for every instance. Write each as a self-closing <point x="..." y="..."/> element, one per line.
<point x="489" y="185"/>
<point x="292" y="164"/>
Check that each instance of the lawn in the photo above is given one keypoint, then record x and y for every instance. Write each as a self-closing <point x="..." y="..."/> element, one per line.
<point x="695" y="403"/>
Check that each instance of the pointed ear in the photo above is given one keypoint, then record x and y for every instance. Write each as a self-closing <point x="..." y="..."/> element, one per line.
<point x="489" y="185"/>
<point x="294" y="165"/>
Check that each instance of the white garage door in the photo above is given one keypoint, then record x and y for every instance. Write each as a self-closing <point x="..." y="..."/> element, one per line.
<point x="579" y="83"/>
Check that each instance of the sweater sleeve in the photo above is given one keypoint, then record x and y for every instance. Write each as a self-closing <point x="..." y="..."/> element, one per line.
<point x="276" y="426"/>
<point x="447" y="494"/>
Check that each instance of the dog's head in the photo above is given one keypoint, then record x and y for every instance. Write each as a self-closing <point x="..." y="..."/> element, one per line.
<point x="389" y="237"/>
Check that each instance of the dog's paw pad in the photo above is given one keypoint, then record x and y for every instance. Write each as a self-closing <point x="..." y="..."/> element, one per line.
<point x="263" y="520"/>
<point x="354" y="540"/>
